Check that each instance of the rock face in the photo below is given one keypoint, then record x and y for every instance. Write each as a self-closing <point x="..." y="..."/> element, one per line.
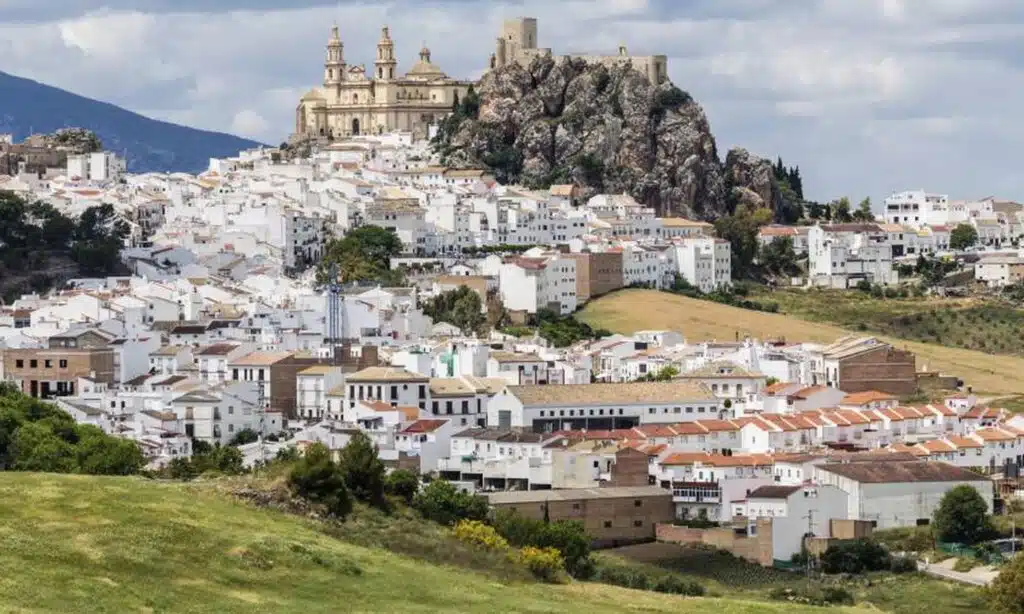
<point x="606" y="129"/>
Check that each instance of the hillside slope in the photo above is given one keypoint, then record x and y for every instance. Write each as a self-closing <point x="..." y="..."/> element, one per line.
<point x="88" y="544"/>
<point x="151" y="145"/>
<point x="632" y="310"/>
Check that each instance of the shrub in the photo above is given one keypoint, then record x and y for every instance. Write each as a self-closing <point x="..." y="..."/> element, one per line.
<point x="964" y="564"/>
<point x="243" y="437"/>
<point x="318" y="478"/>
<point x="441" y="502"/>
<point x="481" y="535"/>
<point x="855" y="556"/>
<point x="830" y="595"/>
<point x="903" y="564"/>
<point x="678" y="586"/>
<point x="1006" y="593"/>
<point x="544" y="563"/>
<point x="402" y="484"/>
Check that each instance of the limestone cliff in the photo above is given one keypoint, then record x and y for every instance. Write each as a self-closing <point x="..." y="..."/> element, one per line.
<point x="607" y="129"/>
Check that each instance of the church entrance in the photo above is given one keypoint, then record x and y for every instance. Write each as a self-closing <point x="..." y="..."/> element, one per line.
<point x="355" y="126"/>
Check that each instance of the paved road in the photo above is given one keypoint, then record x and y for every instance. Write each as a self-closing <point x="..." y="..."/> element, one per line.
<point x="979" y="576"/>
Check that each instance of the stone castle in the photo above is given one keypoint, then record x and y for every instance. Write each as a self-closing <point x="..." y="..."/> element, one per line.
<point x="350" y="102"/>
<point x="518" y="43"/>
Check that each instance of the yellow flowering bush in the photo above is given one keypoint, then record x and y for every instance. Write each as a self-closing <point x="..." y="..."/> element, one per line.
<point x="479" y="534"/>
<point x="544" y="563"/>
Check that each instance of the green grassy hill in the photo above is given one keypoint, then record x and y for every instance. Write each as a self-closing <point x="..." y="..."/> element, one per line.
<point x="91" y="544"/>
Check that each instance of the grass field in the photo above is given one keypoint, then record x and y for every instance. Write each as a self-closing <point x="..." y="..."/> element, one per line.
<point x="632" y="310"/>
<point x="114" y="545"/>
<point x="725" y="575"/>
<point x="988" y="326"/>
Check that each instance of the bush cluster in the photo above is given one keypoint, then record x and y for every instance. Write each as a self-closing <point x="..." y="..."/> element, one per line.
<point x="37" y="436"/>
<point x="441" y="502"/>
<point x="568" y="537"/>
<point x="480" y="534"/>
<point x="206" y="459"/>
<point x="642" y="580"/>
<point x="544" y="563"/>
<point x="826" y="596"/>
<point x="855" y="556"/>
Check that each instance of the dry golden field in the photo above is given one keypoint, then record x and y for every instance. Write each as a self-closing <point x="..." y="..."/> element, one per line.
<point x="632" y="310"/>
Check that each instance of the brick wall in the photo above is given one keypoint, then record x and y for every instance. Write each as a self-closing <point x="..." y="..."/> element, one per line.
<point x="884" y="369"/>
<point x="630" y="469"/>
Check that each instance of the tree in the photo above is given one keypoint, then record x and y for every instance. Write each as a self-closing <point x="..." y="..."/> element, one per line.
<point x="962" y="237"/>
<point x="962" y="517"/>
<point x="461" y="307"/>
<point x="441" y="502"/>
<point x="779" y="258"/>
<point x="864" y="212"/>
<point x="841" y="211"/>
<point x="403" y="484"/>
<point x="318" y="478"/>
<point x="363" y="469"/>
<point x="1006" y="593"/>
<point x="243" y="437"/>
<point x="741" y="231"/>
<point x="363" y="254"/>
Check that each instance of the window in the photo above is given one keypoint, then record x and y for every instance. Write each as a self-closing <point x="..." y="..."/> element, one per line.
<point x="607" y="524"/>
<point x="47" y="363"/>
<point x="433" y="407"/>
<point x="261" y="376"/>
<point x="575" y="506"/>
<point x="20" y="364"/>
<point x="33" y="364"/>
<point x="638" y="503"/>
<point x="638" y="523"/>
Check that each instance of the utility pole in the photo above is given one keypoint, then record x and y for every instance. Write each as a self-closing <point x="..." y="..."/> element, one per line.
<point x="810" y="533"/>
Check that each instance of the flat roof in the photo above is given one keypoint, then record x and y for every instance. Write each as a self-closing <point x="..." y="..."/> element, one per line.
<point x="575" y="494"/>
<point x="889" y="471"/>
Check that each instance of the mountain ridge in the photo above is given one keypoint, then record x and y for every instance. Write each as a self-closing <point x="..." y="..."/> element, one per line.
<point x="152" y="145"/>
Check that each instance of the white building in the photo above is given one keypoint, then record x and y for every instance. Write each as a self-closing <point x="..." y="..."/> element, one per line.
<point x="894" y="494"/>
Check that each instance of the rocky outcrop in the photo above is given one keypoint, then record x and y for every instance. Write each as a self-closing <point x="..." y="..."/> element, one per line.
<point x="751" y="181"/>
<point x="70" y="140"/>
<point x="606" y="129"/>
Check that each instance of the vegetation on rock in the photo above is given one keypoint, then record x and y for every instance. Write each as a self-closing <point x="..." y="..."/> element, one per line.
<point x="607" y="130"/>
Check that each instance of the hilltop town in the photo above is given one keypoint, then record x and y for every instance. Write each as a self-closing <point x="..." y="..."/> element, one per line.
<point x="350" y="287"/>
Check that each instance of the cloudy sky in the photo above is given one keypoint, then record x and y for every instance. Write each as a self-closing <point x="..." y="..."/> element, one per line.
<point x="867" y="96"/>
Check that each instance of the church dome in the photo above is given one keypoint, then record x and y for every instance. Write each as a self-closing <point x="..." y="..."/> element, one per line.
<point x="313" y="94"/>
<point x="424" y="70"/>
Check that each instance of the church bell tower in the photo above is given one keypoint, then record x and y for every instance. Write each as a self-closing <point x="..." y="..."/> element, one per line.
<point x="386" y="63"/>
<point x="334" y="67"/>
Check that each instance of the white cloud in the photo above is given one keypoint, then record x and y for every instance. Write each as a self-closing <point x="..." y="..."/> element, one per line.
<point x="857" y="92"/>
<point x="249" y="123"/>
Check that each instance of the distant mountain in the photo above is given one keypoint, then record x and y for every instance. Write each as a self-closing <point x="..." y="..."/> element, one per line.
<point x="151" y="145"/>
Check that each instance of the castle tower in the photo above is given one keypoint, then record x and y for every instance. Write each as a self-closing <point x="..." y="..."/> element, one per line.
<point x="334" y="67"/>
<point x="386" y="63"/>
<point x="425" y="54"/>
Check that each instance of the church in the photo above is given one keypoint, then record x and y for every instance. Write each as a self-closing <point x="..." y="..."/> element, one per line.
<point x="351" y="102"/>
